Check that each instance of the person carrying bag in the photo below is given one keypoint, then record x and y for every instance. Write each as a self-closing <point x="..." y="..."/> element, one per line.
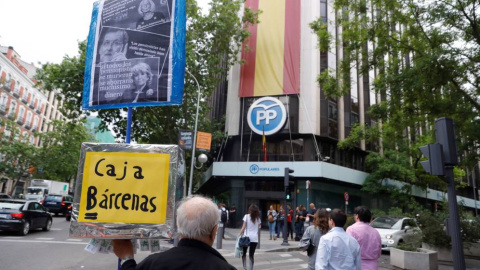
<point x="251" y="225"/>
<point x="311" y="237"/>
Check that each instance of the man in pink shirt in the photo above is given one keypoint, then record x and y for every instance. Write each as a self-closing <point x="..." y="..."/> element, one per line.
<point x="367" y="237"/>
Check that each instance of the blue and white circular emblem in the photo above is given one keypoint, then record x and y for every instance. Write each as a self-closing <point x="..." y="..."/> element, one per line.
<point x="266" y="114"/>
<point x="254" y="169"/>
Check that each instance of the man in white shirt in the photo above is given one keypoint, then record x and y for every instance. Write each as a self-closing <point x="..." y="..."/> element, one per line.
<point x="223" y="218"/>
<point x="337" y="250"/>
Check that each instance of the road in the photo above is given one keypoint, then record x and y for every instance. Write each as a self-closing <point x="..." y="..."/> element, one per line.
<point x="55" y="250"/>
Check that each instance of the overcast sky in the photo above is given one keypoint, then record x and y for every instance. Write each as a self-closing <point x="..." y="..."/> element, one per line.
<point x="45" y="31"/>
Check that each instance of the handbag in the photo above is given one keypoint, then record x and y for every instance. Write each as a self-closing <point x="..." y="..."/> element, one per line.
<point x="244" y="241"/>
<point x="311" y="248"/>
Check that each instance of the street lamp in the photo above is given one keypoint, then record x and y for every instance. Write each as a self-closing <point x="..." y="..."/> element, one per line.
<point x="194" y="136"/>
<point x="202" y="158"/>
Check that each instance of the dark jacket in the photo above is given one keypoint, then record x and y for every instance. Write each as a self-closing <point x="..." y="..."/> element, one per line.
<point x="189" y="254"/>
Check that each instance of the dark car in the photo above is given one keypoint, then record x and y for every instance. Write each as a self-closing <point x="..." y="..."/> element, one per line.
<point x="57" y="204"/>
<point x="22" y="216"/>
<point x="5" y="196"/>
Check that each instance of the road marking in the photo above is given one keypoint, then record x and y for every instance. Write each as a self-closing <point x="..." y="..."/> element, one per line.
<point x="55" y="229"/>
<point x="14" y="237"/>
<point x="304" y="265"/>
<point x="279" y="261"/>
<point x="41" y="241"/>
<point x="75" y="240"/>
<point x="285" y="255"/>
<point x="44" y="238"/>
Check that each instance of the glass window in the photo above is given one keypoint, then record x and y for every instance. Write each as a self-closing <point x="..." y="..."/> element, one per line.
<point x="31" y="206"/>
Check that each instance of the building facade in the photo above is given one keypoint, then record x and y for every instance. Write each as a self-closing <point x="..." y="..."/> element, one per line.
<point x="283" y="62"/>
<point x="29" y="107"/>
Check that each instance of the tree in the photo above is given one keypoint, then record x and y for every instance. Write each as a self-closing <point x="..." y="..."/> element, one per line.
<point x="16" y="154"/>
<point x="59" y="155"/>
<point x="212" y="45"/>
<point x="426" y="57"/>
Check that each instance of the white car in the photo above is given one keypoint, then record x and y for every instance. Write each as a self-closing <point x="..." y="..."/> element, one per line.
<point x="397" y="230"/>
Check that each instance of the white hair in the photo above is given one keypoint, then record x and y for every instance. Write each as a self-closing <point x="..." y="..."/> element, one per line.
<point x="196" y="217"/>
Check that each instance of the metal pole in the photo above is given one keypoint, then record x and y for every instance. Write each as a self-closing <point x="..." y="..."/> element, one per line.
<point x="475" y="190"/>
<point x="129" y="124"/>
<point x="194" y="136"/>
<point x="286" y="212"/>
<point x="454" y="228"/>
<point x="219" y="235"/>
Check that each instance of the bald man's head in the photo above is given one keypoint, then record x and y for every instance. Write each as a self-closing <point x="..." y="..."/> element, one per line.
<point x="197" y="216"/>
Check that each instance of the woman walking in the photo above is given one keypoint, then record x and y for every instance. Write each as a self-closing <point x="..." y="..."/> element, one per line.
<point x="312" y="236"/>
<point x="251" y="225"/>
<point x="272" y="222"/>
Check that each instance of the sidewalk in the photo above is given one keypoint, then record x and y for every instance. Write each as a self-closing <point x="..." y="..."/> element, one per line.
<point x="267" y="245"/>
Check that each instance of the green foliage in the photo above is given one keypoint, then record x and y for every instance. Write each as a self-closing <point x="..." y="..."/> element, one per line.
<point x="59" y="155"/>
<point x="329" y="84"/>
<point x="16" y="153"/>
<point x="320" y="28"/>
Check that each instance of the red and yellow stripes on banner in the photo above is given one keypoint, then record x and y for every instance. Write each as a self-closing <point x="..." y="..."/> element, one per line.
<point x="272" y="61"/>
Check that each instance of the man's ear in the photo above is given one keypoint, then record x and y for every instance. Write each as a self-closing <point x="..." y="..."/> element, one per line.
<point x="214" y="232"/>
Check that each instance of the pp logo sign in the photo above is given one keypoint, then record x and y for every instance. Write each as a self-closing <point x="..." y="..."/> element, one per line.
<point x="266" y="114"/>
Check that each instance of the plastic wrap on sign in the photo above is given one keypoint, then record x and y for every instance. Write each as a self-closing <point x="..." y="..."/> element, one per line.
<point x="127" y="191"/>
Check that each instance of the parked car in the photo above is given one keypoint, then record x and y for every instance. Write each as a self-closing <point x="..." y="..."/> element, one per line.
<point x="5" y="196"/>
<point x="394" y="231"/>
<point x="57" y="204"/>
<point x="23" y="216"/>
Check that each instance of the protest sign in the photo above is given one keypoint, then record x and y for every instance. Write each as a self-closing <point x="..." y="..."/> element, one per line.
<point x="127" y="191"/>
<point x="135" y="54"/>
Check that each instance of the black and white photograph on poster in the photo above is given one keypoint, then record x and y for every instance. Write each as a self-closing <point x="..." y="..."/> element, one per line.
<point x="153" y="16"/>
<point x="123" y="60"/>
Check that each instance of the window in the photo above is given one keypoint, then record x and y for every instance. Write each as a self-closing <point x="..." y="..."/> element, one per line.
<point x="13" y="108"/>
<point x="29" y="117"/>
<point x="35" y="122"/>
<point x="32" y="140"/>
<point x="3" y="100"/>
<point x="21" y="113"/>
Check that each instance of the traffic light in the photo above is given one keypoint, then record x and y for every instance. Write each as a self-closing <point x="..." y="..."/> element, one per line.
<point x="288" y="194"/>
<point x="289" y="183"/>
<point x="434" y="153"/>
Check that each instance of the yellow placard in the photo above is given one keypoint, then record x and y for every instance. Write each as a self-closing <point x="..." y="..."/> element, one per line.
<point x="124" y="187"/>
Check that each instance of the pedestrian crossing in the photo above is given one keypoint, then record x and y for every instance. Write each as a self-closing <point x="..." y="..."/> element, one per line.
<point x="273" y="260"/>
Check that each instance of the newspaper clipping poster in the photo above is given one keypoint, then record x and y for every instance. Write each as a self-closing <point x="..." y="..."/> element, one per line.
<point x="135" y="54"/>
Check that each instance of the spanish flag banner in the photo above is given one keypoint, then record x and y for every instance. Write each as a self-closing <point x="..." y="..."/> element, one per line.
<point x="272" y="60"/>
<point x="264" y="145"/>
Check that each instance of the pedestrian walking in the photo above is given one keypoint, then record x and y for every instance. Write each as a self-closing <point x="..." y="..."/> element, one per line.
<point x="251" y="225"/>
<point x="297" y="224"/>
<point x="223" y="213"/>
<point x="311" y="237"/>
<point x="311" y="214"/>
<point x="337" y="250"/>
<point x="368" y="238"/>
<point x="280" y="221"/>
<point x="197" y="223"/>
<point x="289" y="222"/>
<point x="233" y="216"/>
<point x="272" y="221"/>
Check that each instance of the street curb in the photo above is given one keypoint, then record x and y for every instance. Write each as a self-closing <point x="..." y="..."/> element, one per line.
<point x="286" y="249"/>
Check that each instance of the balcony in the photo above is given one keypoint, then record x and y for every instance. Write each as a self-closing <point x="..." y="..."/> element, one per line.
<point x="11" y="116"/>
<point x="16" y="92"/>
<point x="24" y="100"/>
<point x="39" y="111"/>
<point x="28" y="125"/>
<point x="34" y="128"/>
<point x="20" y="120"/>
<point x="3" y="109"/>
<point x="31" y="105"/>
<point x="6" y="86"/>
